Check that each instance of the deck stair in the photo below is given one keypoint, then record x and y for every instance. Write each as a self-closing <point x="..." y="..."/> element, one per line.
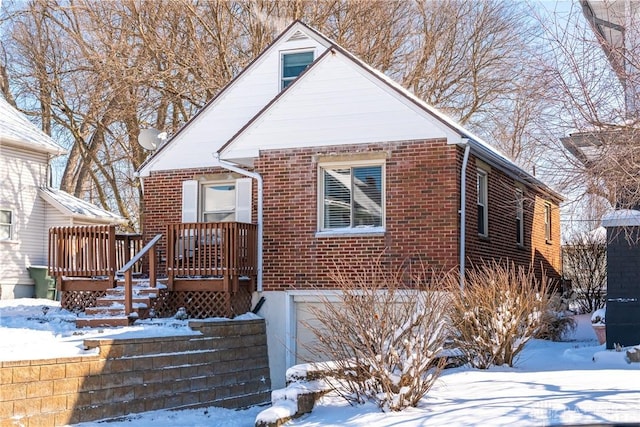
<point x="109" y="310"/>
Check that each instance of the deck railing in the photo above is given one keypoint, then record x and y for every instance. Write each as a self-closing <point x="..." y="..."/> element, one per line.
<point x="225" y="249"/>
<point x="84" y="251"/>
<point x="127" y="246"/>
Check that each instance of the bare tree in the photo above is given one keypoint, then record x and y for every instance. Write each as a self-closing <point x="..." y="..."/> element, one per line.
<point x="584" y="260"/>
<point x="593" y="62"/>
<point x="93" y="72"/>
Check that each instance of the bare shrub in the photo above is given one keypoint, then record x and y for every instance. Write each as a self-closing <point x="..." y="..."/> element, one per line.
<point x="384" y="338"/>
<point x="557" y="321"/>
<point x="499" y="310"/>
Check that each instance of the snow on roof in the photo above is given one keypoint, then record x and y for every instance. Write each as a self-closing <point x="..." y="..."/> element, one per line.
<point x="78" y="208"/>
<point x="15" y="128"/>
<point x="621" y="218"/>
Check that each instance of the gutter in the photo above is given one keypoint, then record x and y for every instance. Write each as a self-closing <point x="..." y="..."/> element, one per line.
<point x="463" y="208"/>
<point x="235" y="168"/>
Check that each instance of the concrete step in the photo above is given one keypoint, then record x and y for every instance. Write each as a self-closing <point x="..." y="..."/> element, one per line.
<point x="108" y="321"/>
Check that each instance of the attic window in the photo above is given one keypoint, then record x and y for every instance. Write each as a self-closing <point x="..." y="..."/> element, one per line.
<point x="293" y="64"/>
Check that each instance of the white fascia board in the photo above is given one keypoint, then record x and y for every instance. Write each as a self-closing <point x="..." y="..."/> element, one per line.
<point x="53" y="149"/>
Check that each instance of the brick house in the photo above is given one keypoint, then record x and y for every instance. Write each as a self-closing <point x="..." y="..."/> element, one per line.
<point x="335" y="162"/>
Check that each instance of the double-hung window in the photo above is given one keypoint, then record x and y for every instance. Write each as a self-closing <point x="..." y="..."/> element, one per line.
<point x="547" y="222"/>
<point x="292" y="64"/>
<point x="483" y="214"/>
<point x="351" y="196"/>
<point x="519" y="217"/>
<point x="218" y="202"/>
<point x="6" y="224"/>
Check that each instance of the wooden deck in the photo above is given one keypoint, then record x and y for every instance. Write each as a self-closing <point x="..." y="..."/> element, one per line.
<point x="210" y="256"/>
<point x="210" y="267"/>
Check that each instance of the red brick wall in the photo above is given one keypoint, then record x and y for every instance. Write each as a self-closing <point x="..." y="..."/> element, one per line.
<point x="422" y="203"/>
<point x="421" y="213"/>
<point x="500" y="244"/>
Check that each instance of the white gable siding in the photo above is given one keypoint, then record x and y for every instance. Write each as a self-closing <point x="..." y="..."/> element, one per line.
<point x="21" y="173"/>
<point x="195" y="144"/>
<point x="335" y="103"/>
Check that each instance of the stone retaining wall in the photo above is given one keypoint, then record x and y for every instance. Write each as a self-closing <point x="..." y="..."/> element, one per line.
<point x="226" y="366"/>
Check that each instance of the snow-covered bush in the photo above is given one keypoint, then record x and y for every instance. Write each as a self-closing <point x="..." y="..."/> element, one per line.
<point x="557" y="322"/>
<point x="497" y="312"/>
<point x="598" y="316"/>
<point x="383" y="337"/>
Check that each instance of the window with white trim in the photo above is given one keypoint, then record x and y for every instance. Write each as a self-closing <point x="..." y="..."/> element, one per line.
<point x="547" y="222"/>
<point x="351" y="196"/>
<point x="6" y="224"/>
<point x="519" y="217"/>
<point x="483" y="211"/>
<point x="292" y="64"/>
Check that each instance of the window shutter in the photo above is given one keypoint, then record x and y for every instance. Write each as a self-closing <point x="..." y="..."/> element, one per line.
<point x="243" y="200"/>
<point x="190" y="201"/>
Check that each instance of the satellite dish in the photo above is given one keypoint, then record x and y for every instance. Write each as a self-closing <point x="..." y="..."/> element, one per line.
<point x="151" y="138"/>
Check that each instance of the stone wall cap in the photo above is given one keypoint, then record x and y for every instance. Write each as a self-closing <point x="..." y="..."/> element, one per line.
<point x="621" y="218"/>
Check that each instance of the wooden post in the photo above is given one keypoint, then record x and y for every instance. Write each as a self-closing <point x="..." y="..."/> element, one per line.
<point x="111" y="266"/>
<point x="128" y="284"/>
<point x="152" y="267"/>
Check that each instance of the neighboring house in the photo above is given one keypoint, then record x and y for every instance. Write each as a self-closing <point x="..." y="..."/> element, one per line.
<point x="28" y="205"/>
<point x="341" y="165"/>
<point x="615" y="24"/>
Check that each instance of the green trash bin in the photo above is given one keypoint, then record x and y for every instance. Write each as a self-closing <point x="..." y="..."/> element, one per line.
<point x="45" y="285"/>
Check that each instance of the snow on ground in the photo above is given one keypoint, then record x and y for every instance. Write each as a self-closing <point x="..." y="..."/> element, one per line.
<point x="572" y="382"/>
<point x="33" y="328"/>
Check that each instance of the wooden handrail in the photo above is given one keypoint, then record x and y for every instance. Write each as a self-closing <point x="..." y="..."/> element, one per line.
<point x="128" y="274"/>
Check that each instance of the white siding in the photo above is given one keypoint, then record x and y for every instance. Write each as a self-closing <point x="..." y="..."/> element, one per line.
<point x="21" y="173"/>
<point x="337" y="102"/>
<point x="55" y="218"/>
<point x="213" y="127"/>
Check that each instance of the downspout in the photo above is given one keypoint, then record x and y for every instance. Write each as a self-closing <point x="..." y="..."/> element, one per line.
<point x="463" y="208"/>
<point x="235" y="168"/>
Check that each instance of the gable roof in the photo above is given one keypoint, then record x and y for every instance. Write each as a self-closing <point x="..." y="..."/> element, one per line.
<point x="16" y="130"/>
<point x="224" y="124"/>
<point x="78" y="208"/>
<point x="478" y="146"/>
